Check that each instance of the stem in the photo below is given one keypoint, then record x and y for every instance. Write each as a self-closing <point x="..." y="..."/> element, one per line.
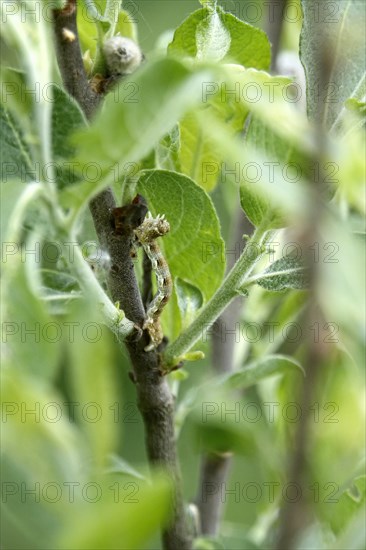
<point x="215" y="467"/>
<point x="122" y="327"/>
<point x="32" y="192"/>
<point x="155" y="399"/>
<point x="274" y="27"/>
<point x="70" y="61"/>
<point x="296" y="516"/>
<point x="222" y="297"/>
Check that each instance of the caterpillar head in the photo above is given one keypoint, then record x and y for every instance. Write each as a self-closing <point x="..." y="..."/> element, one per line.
<point x="152" y="228"/>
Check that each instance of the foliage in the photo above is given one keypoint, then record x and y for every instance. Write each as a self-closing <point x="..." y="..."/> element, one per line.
<point x="199" y="147"/>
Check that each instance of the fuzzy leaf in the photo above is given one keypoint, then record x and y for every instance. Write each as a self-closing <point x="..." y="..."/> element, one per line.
<point x="193" y="247"/>
<point x="340" y="28"/>
<point x="260" y="369"/>
<point x="282" y="274"/>
<point x="212" y="34"/>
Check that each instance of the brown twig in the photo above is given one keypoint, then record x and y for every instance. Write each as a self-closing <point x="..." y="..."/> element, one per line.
<point x="155" y="400"/>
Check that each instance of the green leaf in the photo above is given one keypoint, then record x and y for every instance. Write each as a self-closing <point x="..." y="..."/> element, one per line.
<point x="50" y="449"/>
<point x="87" y="31"/>
<point x="353" y="115"/>
<point x="284" y="196"/>
<point x="92" y="380"/>
<point x="117" y="517"/>
<point x="31" y="45"/>
<point x="208" y="543"/>
<point x="146" y="106"/>
<point x="66" y="118"/>
<point x="209" y="3"/>
<point x="16" y="156"/>
<point x="10" y="192"/>
<point x="342" y="33"/>
<point x="354" y="536"/>
<point x="221" y="36"/>
<point x="58" y="281"/>
<point x="218" y="36"/>
<point x="120" y="466"/>
<point x="216" y="435"/>
<point x="199" y="156"/>
<point x="51" y="456"/>
<point x="359" y="107"/>
<point x="193" y="246"/>
<point x="17" y="98"/>
<point x="126" y="25"/>
<point x="111" y="11"/>
<point x="167" y="151"/>
<point x="256" y="206"/>
<point x="58" y="290"/>
<point x="341" y="285"/>
<point x="189" y="300"/>
<point x="347" y="504"/>
<point x="284" y="273"/>
<point x="260" y="369"/>
<point x="30" y="334"/>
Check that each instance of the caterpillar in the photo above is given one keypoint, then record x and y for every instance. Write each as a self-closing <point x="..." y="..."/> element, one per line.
<point x="146" y="234"/>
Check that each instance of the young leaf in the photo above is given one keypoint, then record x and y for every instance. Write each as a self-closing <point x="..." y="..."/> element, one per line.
<point x="146" y="106"/>
<point x="17" y="157"/>
<point x="66" y="118"/>
<point x="119" y="465"/>
<point x="256" y="206"/>
<point x="31" y="45"/>
<point x="92" y="381"/>
<point x="193" y="247"/>
<point x="235" y="41"/>
<point x="282" y="274"/>
<point x="260" y="369"/>
<point x="342" y="34"/>
<point x="189" y="300"/>
<point x="167" y="151"/>
<point x="218" y="36"/>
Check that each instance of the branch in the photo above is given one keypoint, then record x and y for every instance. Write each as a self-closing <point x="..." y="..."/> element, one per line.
<point x="215" y="467"/>
<point x="296" y="516"/>
<point x="155" y="400"/>
<point x="70" y="61"/>
<point x="276" y="9"/>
